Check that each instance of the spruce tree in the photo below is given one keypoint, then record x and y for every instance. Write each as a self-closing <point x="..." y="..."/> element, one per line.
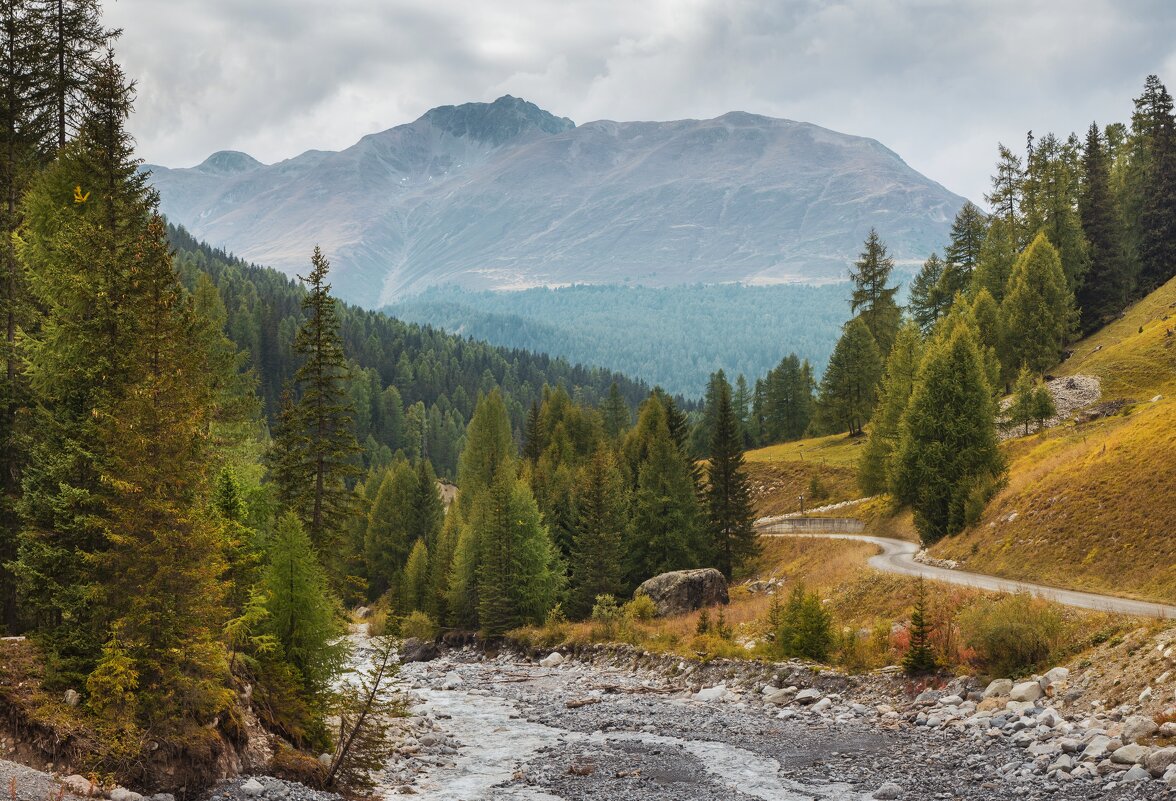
<point x="872" y="300"/>
<point x="1021" y="411"/>
<point x="1104" y="292"/>
<point x="947" y="445"/>
<point x="1037" y="313"/>
<point x="849" y="386"/>
<point x="615" y="413"/>
<point x="919" y="658"/>
<point x="729" y="511"/>
<point x="787" y="400"/>
<point x="926" y="303"/>
<point x="1154" y="126"/>
<point x="1051" y="199"/>
<point x="1006" y="199"/>
<point x="414" y="589"/>
<point x="875" y="467"/>
<point x="996" y="259"/>
<point x="314" y="454"/>
<point x="533" y="443"/>
<point x="602" y="503"/>
<point x="962" y="256"/>
<point x="667" y="530"/>
<point x="741" y="403"/>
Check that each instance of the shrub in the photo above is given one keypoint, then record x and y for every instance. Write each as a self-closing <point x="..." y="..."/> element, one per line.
<point x="805" y="628"/>
<point x="641" y="608"/>
<point x="1012" y="635"/>
<point x="605" y="614"/>
<point x="418" y="625"/>
<point x="817" y="489"/>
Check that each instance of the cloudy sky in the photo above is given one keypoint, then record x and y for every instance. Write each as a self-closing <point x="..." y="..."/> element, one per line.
<point x="938" y="81"/>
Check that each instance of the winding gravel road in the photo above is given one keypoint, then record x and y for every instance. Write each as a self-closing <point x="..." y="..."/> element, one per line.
<point x="898" y="556"/>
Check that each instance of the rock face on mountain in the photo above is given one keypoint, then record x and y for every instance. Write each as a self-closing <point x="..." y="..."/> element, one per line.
<point x="506" y="195"/>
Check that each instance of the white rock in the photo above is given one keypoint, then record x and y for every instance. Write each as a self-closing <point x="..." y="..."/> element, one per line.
<point x="998" y="687"/>
<point x="769" y="690"/>
<point x="951" y="700"/>
<point x="1130" y="754"/>
<point x="1057" y="674"/>
<point x="72" y="698"/>
<point x="822" y="705"/>
<point x="711" y="693"/>
<point x="1160" y="760"/>
<point x="1064" y="763"/>
<point x="1097" y="747"/>
<point x="1049" y="717"/>
<point x="554" y="659"/>
<point x="253" y="788"/>
<point x="1136" y="727"/>
<point x="888" y="792"/>
<point x="123" y="794"/>
<point x="452" y="681"/>
<point x="1145" y="696"/>
<point x="808" y="696"/>
<point x="1136" y="774"/>
<point x="1026" y="691"/>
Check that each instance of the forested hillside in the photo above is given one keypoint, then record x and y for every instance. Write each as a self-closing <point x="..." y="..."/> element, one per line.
<point x="674" y="337"/>
<point x="413" y="387"/>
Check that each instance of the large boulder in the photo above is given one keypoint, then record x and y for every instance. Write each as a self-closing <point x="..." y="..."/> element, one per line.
<point x="414" y="650"/>
<point x="682" y="591"/>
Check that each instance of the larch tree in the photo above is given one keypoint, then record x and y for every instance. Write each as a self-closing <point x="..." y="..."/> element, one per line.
<point x="962" y="255"/>
<point x="1037" y="312"/>
<point x="729" y="512"/>
<point x="1050" y="201"/>
<point x="872" y="300"/>
<point x="947" y="451"/>
<point x="1154" y="128"/>
<point x="875" y="467"/>
<point x="666" y="533"/>
<point x="388" y="541"/>
<point x="849" y="386"/>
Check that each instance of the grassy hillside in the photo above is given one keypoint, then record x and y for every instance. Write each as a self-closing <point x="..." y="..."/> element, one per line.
<point x="1093" y="506"/>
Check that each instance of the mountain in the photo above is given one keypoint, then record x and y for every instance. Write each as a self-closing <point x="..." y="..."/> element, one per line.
<point x="504" y="195"/>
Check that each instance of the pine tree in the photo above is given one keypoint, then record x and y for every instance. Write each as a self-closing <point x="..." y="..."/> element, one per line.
<point x="700" y="437"/>
<point x="1104" y="292"/>
<point x="872" y="300"/>
<point x="1006" y="199"/>
<point x="805" y="627"/>
<point x="489" y="445"/>
<point x="1021" y="411"/>
<point x="315" y="447"/>
<point x="303" y="615"/>
<point x="849" y="386"/>
<point x="601" y="525"/>
<point x="927" y="303"/>
<point x="920" y="658"/>
<point x="1037" y="312"/>
<point x="948" y="438"/>
<point x="76" y="43"/>
<point x="426" y="509"/>
<point x="787" y="400"/>
<point x="875" y="467"/>
<point x="728" y="494"/>
<point x="533" y="443"/>
<point x="996" y="259"/>
<point x="741" y="403"/>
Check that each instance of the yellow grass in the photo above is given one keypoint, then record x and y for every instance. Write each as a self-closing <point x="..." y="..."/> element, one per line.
<point x="837" y="450"/>
<point x="775" y="486"/>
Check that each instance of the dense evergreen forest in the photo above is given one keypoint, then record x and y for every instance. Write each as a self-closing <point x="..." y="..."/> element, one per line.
<point x="412" y="388"/>
<point x="673" y="337"/>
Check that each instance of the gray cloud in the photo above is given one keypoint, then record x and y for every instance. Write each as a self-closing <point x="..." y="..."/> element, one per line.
<point x="938" y="81"/>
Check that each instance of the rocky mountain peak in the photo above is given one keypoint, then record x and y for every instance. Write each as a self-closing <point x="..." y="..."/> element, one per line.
<point x="496" y="123"/>
<point x="228" y="162"/>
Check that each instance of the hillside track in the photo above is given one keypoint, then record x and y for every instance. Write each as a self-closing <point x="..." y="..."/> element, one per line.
<point x="898" y="556"/>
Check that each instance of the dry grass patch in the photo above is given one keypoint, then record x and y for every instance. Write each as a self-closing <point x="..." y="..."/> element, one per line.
<point x="836" y="450"/>
<point x="1086" y="507"/>
<point x="775" y="486"/>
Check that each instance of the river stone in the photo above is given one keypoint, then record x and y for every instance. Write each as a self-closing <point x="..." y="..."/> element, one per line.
<point x="1159" y="760"/>
<point x="682" y="591"/>
<point x="1136" y="727"/>
<point x="715" y="693"/>
<point x="78" y="785"/>
<point x="414" y="650"/>
<point x="999" y="687"/>
<point x="888" y="792"/>
<point x="1056" y="675"/>
<point x="1130" y="754"/>
<point x="253" y="788"/>
<point x="554" y="659"/>
<point x="1136" y="774"/>
<point x="123" y="794"/>
<point x="808" y="696"/>
<point x="1026" y="691"/>
<point x="1097" y="747"/>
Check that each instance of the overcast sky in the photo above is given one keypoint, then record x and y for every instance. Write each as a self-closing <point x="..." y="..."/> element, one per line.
<point x="938" y="81"/>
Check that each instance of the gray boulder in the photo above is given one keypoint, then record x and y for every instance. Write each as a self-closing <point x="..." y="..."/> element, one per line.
<point x="887" y="792"/>
<point x="1026" y="691"/>
<point x="1136" y="727"/>
<point x="414" y="650"/>
<point x="998" y="687"/>
<point x="682" y="591"/>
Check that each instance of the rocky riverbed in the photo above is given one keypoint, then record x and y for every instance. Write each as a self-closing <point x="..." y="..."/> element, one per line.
<point x="510" y="728"/>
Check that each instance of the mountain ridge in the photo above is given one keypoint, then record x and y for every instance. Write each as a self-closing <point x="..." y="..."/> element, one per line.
<point x="505" y="195"/>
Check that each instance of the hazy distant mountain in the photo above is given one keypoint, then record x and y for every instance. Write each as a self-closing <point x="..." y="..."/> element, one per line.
<point x="506" y="195"/>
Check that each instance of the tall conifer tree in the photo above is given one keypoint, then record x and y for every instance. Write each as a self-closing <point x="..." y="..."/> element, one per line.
<point x="1104" y="292"/>
<point x="728" y="494"/>
<point x="872" y="299"/>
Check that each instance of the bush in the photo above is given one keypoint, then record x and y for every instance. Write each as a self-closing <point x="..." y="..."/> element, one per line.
<point x="804" y="628"/>
<point x="418" y="625"/>
<point x="641" y="608"/>
<point x="1012" y="635"/>
<point x="605" y="614"/>
<point x="817" y="489"/>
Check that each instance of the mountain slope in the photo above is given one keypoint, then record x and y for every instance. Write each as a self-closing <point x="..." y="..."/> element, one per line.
<point x="1090" y="506"/>
<point x="505" y="195"/>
